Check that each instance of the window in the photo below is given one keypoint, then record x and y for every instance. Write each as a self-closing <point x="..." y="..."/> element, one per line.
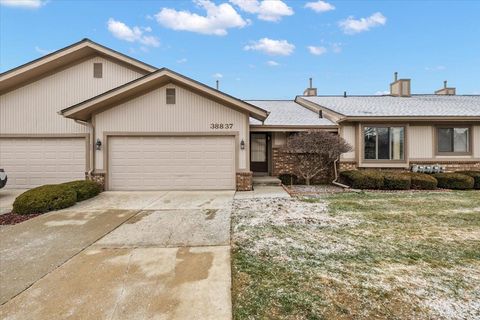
<point x="384" y="143"/>
<point x="453" y="140"/>
<point x="97" y="70"/>
<point x="170" y="96"/>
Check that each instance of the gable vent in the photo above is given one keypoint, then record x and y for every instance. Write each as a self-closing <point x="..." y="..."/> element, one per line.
<point x="98" y="70"/>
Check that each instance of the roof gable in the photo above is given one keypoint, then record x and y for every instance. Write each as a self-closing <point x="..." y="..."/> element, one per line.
<point x="43" y="66"/>
<point x="288" y="113"/>
<point x="161" y="77"/>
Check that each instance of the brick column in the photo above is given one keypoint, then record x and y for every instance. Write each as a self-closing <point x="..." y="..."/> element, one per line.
<point x="244" y="181"/>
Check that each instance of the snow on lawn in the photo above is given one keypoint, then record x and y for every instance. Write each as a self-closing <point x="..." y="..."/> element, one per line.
<point x="362" y="256"/>
<point x="288" y="215"/>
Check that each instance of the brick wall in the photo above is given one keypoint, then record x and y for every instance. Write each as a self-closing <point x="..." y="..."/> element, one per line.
<point x="450" y="166"/>
<point x="283" y="163"/>
<point x="244" y="181"/>
<point x="98" y="178"/>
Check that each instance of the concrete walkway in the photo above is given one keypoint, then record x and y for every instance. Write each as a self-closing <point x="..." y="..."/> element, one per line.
<point x="164" y="255"/>
<point x="263" y="192"/>
<point x="7" y="197"/>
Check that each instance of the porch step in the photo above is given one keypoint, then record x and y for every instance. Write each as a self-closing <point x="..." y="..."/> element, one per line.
<point x="266" y="181"/>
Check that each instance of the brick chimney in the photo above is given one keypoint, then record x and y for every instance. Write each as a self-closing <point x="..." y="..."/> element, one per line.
<point x="310" y="91"/>
<point x="445" y="91"/>
<point x="400" y="87"/>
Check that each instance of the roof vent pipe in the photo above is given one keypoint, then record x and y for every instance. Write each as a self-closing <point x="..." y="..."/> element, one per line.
<point x="446" y="91"/>
<point x="310" y="91"/>
<point x="344" y="94"/>
<point x="320" y="114"/>
<point x="395" y="76"/>
<point x="217" y="84"/>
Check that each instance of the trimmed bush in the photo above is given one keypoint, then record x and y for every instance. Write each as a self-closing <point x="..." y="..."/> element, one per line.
<point x="363" y="179"/>
<point x="454" y="181"/>
<point x="422" y="181"/>
<point x="396" y="181"/>
<point x="475" y="175"/>
<point x="43" y="199"/>
<point x="85" y="189"/>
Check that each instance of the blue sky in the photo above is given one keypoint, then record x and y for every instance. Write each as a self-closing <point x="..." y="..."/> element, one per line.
<point x="265" y="49"/>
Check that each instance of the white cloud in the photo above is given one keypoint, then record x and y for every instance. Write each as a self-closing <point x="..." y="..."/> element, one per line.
<point x="382" y="93"/>
<point x="136" y="34"/>
<point x="318" y="51"/>
<point x="352" y="26"/>
<point x="183" y="60"/>
<point x="320" y="6"/>
<point x="28" y="4"/>
<point x="337" y="47"/>
<point x="267" y="10"/>
<point x="219" y="18"/>
<point x="272" y="63"/>
<point x="42" y="51"/>
<point x="271" y="47"/>
<point x="217" y="75"/>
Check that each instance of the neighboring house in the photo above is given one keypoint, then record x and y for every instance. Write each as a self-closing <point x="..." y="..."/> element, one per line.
<point x="399" y="130"/>
<point x="87" y="110"/>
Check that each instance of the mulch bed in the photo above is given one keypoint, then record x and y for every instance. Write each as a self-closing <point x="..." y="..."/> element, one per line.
<point x="13" y="218"/>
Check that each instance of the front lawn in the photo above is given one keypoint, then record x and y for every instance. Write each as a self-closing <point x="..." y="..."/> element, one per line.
<point x="358" y="256"/>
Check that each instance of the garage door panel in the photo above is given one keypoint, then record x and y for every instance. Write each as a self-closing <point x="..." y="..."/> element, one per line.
<point x="166" y="163"/>
<point x="30" y="162"/>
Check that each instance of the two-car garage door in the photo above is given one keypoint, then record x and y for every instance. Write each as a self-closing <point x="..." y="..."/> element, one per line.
<point x="171" y="162"/>
<point x="30" y="162"/>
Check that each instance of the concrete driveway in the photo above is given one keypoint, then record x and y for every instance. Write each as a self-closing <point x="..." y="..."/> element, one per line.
<point x="122" y="255"/>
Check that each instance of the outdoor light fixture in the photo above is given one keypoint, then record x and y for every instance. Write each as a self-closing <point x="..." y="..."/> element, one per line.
<point x="98" y="144"/>
<point x="242" y="144"/>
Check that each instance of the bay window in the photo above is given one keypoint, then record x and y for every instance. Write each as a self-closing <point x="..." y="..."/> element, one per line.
<point x="453" y="140"/>
<point x="384" y="143"/>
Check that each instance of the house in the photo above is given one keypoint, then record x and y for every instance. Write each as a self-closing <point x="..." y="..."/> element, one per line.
<point x="89" y="111"/>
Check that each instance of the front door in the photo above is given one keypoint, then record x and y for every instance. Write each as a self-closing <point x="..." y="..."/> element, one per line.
<point x="258" y="152"/>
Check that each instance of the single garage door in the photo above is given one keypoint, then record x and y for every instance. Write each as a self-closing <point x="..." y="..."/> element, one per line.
<point x="31" y="162"/>
<point x="171" y="163"/>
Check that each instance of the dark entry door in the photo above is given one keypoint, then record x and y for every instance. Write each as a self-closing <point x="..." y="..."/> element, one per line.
<point x="258" y="152"/>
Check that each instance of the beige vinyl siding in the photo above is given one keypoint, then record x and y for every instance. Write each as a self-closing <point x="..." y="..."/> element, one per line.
<point x="279" y="139"/>
<point x="190" y="113"/>
<point x="348" y="133"/>
<point x="32" y="109"/>
<point x="476" y="141"/>
<point x="420" y="142"/>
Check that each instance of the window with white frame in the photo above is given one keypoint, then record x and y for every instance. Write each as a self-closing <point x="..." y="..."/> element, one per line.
<point x="383" y="143"/>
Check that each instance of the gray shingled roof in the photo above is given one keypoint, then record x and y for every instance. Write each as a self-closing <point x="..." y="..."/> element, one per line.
<point x="288" y="113"/>
<point x="416" y="105"/>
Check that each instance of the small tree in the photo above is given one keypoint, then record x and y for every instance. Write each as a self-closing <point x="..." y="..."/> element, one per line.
<point x="313" y="152"/>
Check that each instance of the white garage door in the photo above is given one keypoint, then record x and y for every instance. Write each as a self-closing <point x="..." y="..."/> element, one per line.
<point x="31" y="162"/>
<point x="171" y="163"/>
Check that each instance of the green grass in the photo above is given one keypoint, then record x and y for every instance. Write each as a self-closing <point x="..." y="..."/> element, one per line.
<point x="358" y="256"/>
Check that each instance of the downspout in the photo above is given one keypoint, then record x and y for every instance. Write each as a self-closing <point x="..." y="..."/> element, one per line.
<point x="92" y="143"/>
<point x="336" y="176"/>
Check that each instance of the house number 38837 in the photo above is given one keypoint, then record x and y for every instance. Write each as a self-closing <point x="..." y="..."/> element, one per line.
<point x="217" y="126"/>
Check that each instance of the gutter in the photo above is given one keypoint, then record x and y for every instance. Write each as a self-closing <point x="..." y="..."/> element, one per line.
<point x="336" y="176"/>
<point x="91" y="144"/>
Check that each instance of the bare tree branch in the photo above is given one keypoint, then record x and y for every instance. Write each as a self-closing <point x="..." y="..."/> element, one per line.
<point x="314" y="152"/>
